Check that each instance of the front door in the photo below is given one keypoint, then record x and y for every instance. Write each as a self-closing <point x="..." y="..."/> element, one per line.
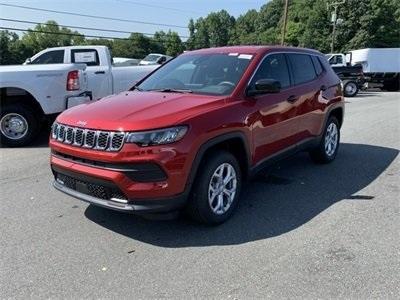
<point x="276" y="124"/>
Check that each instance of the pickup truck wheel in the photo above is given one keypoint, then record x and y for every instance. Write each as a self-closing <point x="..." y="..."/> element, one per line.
<point x="18" y="125"/>
<point x="216" y="189"/>
<point x="329" y="145"/>
<point x="350" y="88"/>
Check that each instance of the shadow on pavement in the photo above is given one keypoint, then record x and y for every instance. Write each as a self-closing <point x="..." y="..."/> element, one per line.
<point x="293" y="193"/>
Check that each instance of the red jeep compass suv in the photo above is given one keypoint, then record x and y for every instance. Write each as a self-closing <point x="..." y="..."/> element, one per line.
<point x="191" y="132"/>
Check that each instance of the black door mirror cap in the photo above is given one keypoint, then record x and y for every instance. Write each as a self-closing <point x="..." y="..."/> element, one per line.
<point x="265" y="86"/>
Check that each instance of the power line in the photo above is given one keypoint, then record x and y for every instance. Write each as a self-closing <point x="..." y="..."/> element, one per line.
<point x="91" y="16"/>
<point x="70" y="34"/>
<point x="80" y="27"/>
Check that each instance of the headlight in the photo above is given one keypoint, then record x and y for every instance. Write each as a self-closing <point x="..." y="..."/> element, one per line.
<point x="157" y="137"/>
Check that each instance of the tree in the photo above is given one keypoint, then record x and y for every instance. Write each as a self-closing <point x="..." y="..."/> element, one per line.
<point x="53" y="36"/>
<point x="173" y="44"/>
<point x="368" y="23"/>
<point x="245" y="30"/>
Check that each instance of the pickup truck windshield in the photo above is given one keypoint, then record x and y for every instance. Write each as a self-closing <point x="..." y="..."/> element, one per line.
<point x="212" y="74"/>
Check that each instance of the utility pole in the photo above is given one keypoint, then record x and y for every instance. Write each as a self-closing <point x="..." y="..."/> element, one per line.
<point x="334" y="20"/>
<point x="285" y="16"/>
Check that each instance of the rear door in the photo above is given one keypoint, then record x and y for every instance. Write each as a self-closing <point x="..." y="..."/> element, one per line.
<point x="99" y="73"/>
<point x="305" y="91"/>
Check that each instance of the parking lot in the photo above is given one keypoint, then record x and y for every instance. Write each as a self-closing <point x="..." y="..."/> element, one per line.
<point x="301" y="230"/>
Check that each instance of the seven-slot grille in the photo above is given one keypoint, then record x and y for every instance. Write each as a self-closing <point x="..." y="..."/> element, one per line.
<point x="87" y="138"/>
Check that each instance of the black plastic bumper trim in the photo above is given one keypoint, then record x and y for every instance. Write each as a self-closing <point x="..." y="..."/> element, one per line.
<point x="139" y="172"/>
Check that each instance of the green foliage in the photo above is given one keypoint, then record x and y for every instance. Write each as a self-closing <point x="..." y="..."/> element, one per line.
<point x="14" y="50"/>
<point x="367" y="23"/>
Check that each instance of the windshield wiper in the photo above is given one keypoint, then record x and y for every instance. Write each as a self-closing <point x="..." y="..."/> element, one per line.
<point x="183" y="91"/>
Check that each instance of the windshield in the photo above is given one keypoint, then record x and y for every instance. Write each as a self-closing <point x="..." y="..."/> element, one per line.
<point x="213" y="74"/>
<point x="151" y="57"/>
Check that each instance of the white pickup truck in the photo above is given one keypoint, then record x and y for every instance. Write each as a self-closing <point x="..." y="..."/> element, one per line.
<point x="54" y="80"/>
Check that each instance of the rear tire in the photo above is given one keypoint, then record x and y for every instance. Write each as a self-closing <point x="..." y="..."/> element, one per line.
<point x="18" y="125"/>
<point x="214" y="198"/>
<point x="350" y="88"/>
<point x="328" y="147"/>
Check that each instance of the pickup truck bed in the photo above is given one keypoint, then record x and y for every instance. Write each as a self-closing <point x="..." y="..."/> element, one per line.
<point x="30" y="93"/>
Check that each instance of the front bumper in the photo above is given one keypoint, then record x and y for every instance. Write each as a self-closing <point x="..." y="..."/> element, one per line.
<point x="116" y="201"/>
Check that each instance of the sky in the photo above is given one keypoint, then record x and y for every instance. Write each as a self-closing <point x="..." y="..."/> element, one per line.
<point x="170" y="13"/>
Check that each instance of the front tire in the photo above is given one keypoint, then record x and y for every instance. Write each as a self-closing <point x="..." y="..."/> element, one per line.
<point x="350" y="88"/>
<point x="328" y="147"/>
<point x="18" y="125"/>
<point x="216" y="189"/>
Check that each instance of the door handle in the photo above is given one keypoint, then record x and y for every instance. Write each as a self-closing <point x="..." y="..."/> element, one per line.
<point x="323" y="88"/>
<point x="292" y="98"/>
<point x="100" y="72"/>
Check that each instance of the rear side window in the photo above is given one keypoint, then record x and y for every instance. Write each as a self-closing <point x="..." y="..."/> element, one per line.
<point x="90" y="57"/>
<point x="302" y="67"/>
<point x="51" y="57"/>
<point x="274" y="66"/>
<point x="317" y="65"/>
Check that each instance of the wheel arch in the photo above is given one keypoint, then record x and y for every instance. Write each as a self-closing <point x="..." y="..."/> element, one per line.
<point x="338" y="113"/>
<point x="10" y="95"/>
<point x="233" y="142"/>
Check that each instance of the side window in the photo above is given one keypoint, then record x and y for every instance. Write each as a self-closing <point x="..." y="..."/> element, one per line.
<point x="339" y="59"/>
<point x="302" y="67"/>
<point x="51" y="57"/>
<point x="274" y="66"/>
<point x="317" y="65"/>
<point x="336" y="59"/>
<point x="90" y="57"/>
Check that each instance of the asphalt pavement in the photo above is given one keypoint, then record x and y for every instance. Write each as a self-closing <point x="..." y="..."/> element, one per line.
<point x="301" y="230"/>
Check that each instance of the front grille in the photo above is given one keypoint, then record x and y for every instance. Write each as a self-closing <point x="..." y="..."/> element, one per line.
<point x="89" y="188"/>
<point x="102" y="140"/>
<point x="69" y="136"/>
<point x="117" y="140"/>
<point x="78" y="139"/>
<point x="87" y="138"/>
<point x="90" y="138"/>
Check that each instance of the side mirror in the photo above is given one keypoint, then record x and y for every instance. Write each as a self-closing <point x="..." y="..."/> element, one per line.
<point x="265" y="86"/>
<point x="27" y="61"/>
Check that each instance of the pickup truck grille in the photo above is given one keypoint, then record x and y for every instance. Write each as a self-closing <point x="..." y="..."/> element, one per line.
<point x="87" y="138"/>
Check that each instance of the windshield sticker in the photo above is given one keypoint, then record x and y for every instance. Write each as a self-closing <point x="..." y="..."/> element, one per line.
<point x="245" y="56"/>
<point x="233" y="54"/>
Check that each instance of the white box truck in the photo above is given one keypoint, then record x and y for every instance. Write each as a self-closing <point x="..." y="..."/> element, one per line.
<point x="380" y="65"/>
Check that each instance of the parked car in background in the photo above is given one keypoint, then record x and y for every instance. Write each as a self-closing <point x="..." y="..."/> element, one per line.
<point x="381" y="66"/>
<point x="189" y="134"/>
<point x="54" y="80"/>
<point x="124" y="62"/>
<point x="155" y="59"/>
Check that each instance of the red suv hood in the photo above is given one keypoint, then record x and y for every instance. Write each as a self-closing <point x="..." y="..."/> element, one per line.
<point x="139" y="110"/>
